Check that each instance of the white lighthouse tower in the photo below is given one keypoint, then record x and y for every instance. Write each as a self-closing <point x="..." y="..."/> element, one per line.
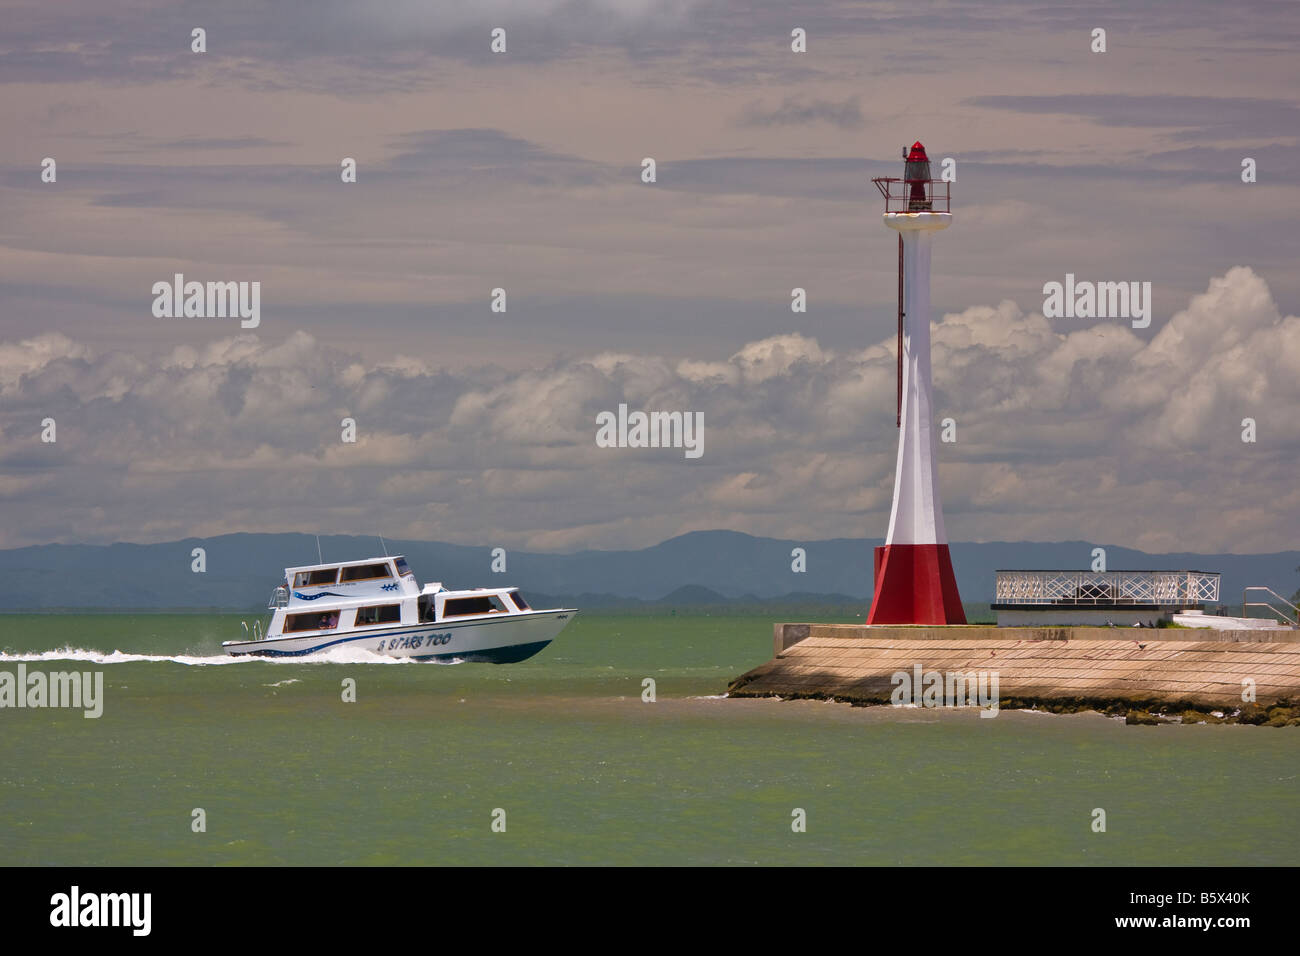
<point x="914" y="581"/>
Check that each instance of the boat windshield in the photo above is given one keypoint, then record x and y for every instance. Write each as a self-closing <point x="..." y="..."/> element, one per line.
<point x="467" y="606"/>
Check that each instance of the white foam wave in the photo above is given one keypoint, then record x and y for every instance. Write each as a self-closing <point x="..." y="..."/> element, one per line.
<point x="332" y="655"/>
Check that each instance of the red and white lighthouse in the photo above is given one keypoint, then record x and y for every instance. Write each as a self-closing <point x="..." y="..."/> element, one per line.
<point x="914" y="582"/>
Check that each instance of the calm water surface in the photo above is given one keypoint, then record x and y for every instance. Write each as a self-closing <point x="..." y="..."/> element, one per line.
<point x="585" y="771"/>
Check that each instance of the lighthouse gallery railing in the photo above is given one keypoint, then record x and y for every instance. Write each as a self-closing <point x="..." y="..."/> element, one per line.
<point x="915" y="195"/>
<point x="1156" y="588"/>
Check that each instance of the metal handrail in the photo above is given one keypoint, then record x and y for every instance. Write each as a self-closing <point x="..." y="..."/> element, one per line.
<point x="1100" y="588"/>
<point x="1294" y="622"/>
<point x="915" y="195"/>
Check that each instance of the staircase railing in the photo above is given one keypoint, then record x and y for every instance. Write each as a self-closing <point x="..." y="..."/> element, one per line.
<point x="1293" y="619"/>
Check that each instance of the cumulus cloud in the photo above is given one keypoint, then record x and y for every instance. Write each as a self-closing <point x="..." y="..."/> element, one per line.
<point x="1066" y="429"/>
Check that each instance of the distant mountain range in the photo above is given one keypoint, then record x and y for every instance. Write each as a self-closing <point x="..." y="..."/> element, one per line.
<point x="700" y="568"/>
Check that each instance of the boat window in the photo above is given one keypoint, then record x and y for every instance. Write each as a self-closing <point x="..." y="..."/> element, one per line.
<point x="427" y="607"/>
<point x="379" y="614"/>
<point x="366" y="572"/>
<point x="459" y="607"/>
<point x="403" y="569"/>
<point x="306" y="579"/>
<point x="311" y="621"/>
<point x="519" y="601"/>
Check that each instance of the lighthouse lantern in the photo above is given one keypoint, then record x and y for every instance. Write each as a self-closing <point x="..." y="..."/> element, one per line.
<point x="916" y="175"/>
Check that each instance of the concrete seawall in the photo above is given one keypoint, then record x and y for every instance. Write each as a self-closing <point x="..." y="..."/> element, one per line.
<point x="1117" y="670"/>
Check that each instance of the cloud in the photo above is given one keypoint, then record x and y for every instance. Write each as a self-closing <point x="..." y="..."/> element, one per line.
<point x="1065" y="429"/>
<point x="1255" y="119"/>
<point x="352" y="47"/>
<point x="814" y="178"/>
<point x="490" y="157"/>
<point x="800" y="111"/>
<point x="215" y="142"/>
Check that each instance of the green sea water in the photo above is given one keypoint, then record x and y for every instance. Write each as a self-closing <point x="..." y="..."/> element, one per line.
<point x="585" y="771"/>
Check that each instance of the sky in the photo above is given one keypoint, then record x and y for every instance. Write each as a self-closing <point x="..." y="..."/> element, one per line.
<point x="522" y="171"/>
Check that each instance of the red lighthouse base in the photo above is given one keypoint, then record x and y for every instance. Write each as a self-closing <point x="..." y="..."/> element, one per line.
<point x="915" y="585"/>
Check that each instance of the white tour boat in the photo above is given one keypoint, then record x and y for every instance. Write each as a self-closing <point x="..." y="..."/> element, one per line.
<point x="377" y="605"/>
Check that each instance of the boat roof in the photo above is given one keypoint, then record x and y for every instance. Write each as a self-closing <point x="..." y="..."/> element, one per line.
<point x="343" y="564"/>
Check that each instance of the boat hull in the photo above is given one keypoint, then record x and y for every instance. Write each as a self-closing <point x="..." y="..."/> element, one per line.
<point x="504" y="639"/>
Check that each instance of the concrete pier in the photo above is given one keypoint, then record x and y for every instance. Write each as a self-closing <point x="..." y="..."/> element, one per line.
<point x="1117" y="670"/>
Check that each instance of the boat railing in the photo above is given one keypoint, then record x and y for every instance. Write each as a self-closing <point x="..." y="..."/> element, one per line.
<point x="279" y="598"/>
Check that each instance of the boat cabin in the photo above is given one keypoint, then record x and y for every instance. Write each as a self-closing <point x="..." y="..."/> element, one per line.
<point x="375" y="593"/>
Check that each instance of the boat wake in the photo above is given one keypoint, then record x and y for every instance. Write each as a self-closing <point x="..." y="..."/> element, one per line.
<point x="332" y="655"/>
